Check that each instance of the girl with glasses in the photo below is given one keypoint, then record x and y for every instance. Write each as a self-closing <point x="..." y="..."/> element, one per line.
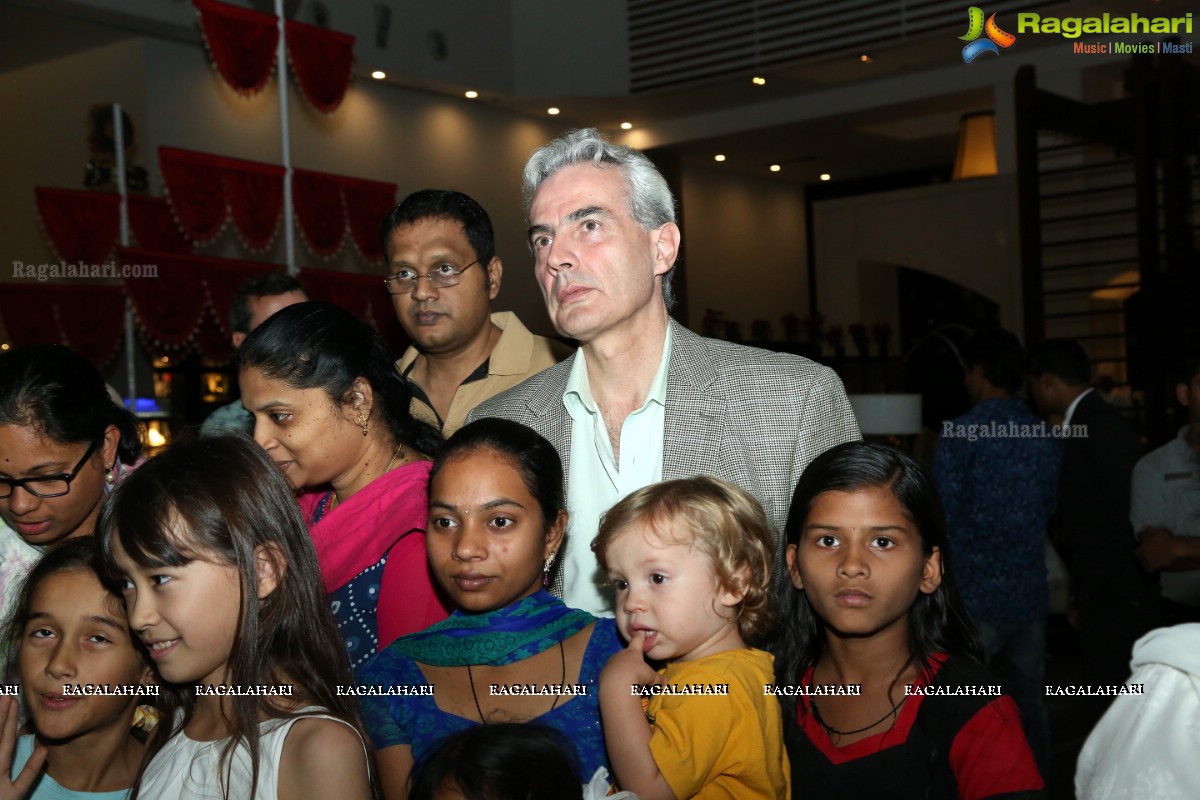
<point x="63" y="442"/>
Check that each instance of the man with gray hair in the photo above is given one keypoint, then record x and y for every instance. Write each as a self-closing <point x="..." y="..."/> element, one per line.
<point x="644" y="399"/>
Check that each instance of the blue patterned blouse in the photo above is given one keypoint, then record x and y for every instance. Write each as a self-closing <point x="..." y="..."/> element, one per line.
<point x="354" y="606"/>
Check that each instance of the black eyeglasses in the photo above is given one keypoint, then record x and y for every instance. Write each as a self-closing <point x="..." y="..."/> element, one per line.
<point x="47" y="485"/>
<point x="443" y="276"/>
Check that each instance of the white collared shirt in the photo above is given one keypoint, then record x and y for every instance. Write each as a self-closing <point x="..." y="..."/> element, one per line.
<point x="597" y="482"/>
<point x="1071" y="408"/>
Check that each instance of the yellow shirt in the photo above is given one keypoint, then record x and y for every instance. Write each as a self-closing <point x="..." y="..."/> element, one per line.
<point x="518" y="355"/>
<point x="721" y="747"/>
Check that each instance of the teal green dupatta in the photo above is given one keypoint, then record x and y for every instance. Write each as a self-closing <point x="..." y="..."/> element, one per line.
<point x="496" y="638"/>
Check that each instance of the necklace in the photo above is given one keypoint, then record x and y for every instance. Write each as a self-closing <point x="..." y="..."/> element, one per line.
<point x="333" y="498"/>
<point x="395" y="455"/>
<point x="562" y="654"/>
<point x="832" y="731"/>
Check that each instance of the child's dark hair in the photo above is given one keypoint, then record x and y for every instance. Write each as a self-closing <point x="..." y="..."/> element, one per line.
<point x="322" y="346"/>
<point x="507" y="761"/>
<point x="58" y="392"/>
<point x="938" y="621"/>
<point x="221" y="499"/>
<point x="78" y="554"/>
<point x="533" y="457"/>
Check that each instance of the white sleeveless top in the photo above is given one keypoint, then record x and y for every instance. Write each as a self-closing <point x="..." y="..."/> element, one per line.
<point x="188" y="770"/>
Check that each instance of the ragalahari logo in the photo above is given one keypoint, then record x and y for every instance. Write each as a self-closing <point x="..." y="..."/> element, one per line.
<point x="996" y="38"/>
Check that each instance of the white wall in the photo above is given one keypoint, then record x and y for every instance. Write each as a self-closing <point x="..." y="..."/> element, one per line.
<point x="745" y="248"/>
<point x="964" y="231"/>
<point x="44" y="139"/>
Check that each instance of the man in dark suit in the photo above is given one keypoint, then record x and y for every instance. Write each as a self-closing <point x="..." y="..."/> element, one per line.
<point x="644" y="399"/>
<point x="1112" y="600"/>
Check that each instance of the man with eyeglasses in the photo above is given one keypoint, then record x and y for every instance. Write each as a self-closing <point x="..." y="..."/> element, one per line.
<point x="444" y="275"/>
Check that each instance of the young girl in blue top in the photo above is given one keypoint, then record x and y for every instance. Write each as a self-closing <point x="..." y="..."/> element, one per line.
<point x="496" y="523"/>
<point x="221" y="584"/>
<point x="67" y="630"/>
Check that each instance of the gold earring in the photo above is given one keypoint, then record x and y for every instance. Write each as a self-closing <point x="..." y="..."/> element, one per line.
<point x="361" y="421"/>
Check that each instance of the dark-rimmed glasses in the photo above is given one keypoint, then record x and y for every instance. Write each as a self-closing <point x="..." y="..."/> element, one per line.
<point x="443" y="276"/>
<point x="47" y="485"/>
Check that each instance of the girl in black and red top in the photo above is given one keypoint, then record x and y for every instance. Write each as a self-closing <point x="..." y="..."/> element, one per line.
<point x="874" y="607"/>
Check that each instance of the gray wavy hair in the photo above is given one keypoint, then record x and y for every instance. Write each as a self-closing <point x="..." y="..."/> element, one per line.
<point x="651" y="203"/>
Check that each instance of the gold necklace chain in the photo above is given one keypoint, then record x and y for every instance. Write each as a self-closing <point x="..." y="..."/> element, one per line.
<point x="333" y="503"/>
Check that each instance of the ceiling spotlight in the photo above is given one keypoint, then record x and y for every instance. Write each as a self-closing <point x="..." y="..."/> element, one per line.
<point x="552" y="111"/>
<point x="775" y="168"/>
<point x="625" y="126"/>
<point x="758" y="80"/>
<point x="825" y="176"/>
<point x="378" y="74"/>
<point x="866" y="59"/>
<point x="470" y="94"/>
<point x="718" y="157"/>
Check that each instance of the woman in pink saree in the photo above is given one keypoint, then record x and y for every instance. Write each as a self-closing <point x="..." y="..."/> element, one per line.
<point x="332" y="412"/>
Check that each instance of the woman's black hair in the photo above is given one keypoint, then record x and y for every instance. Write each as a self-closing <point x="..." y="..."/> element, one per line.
<point x="221" y="499"/>
<point x="506" y="761"/>
<point x="535" y="458"/>
<point x="58" y="392"/>
<point x="71" y="555"/>
<point x="937" y="622"/>
<point x="317" y="345"/>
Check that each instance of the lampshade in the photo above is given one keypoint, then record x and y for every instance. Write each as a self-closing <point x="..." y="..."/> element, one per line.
<point x="976" y="146"/>
<point x="887" y="414"/>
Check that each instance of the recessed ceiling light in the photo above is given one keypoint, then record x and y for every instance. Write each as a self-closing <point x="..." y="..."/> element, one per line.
<point x="866" y="59"/>
<point x="825" y="176"/>
<point x="758" y="80"/>
<point x="625" y="126"/>
<point x="470" y="94"/>
<point x="552" y="111"/>
<point x="718" y="157"/>
<point x="775" y="168"/>
<point x="378" y="74"/>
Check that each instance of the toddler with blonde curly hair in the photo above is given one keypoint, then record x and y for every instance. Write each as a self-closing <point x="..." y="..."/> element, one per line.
<point x="690" y="561"/>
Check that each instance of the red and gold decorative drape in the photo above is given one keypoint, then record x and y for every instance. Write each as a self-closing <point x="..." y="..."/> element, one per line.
<point x="83" y="226"/>
<point x="89" y="319"/>
<point x="243" y="45"/>
<point x="206" y="189"/>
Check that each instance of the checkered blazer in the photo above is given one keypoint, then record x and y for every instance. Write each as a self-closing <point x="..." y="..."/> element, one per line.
<point x="751" y="417"/>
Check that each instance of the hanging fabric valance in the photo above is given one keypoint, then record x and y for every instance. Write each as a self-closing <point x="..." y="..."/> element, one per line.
<point x="317" y="199"/>
<point x="189" y="296"/>
<point x="153" y="226"/>
<point x="367" y="204"/>
<point x="362" y="295"/>
<point x="205" y="189"/>
<point x="321" y="60"/>
<point x="187" y="306"/>
<point x="326" y="204"/>
<point x="83" y="226"/>
<point x="243" y="44"/>
<point x="89" y="318"/>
